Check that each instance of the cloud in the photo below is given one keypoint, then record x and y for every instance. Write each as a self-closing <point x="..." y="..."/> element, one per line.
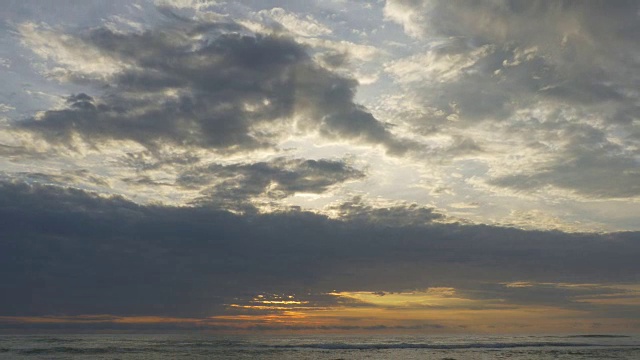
<point x="509" y="100"/>
<point x="600" y="300"/>
<point x="306" y="26"/>
<point x="590" y="164"/>
<point x="241" y="186"/>
<point x="186" y="4"/>
<point x="274" y="180"/>
<point x="411" y="14"/>
<point x="503" y="20"/>
<point x="6" y="108"/>
<point x="18" y="152"/>
<point x="77" y="177"/>
<point x="359" y="211"/>
<point x="438" y="65"/>
<point x="544" y="76"/>
<point x="551" y="294"/>
<point x="568" y="51"/>
<point x="63" y="246"/>
<point x="197" y="84"/>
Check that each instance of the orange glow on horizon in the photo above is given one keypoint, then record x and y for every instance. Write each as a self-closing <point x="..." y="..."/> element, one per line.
<point x="438" y="309"/>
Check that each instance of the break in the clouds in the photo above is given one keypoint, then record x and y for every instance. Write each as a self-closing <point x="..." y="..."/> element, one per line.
<point x="435" y="165"/>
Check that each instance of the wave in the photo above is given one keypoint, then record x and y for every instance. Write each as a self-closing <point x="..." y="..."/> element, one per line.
<point x="226" y="345"/>
<point x="125" y="348"/>
<point x="602" y="336"/>
<point x="389" y="346"/>
<point x="70" y="350"/>
<point x="93" y="350"/>
<point x="55" y="340"/>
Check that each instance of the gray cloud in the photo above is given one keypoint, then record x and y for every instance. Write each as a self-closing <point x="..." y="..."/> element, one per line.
<point x="232" y="185"/>
<point x="576" y="61"/>
<point x="19" y="153"/>
<point x="590" y="164"/>
<point x="552" y="294"/>
<point x="581" y="297"/>
<point x="147" y="160"/>
<point x="581" y="51"/>
<point x="63" y="246"/>
<point x="238" y="185"/>
<point x="78" y="176"/>
<point x="357" y="210"/>
<point x="589" y="174"/>
<point x="206" y="85"/>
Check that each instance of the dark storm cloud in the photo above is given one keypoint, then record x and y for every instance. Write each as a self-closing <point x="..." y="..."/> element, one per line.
<point x="208" y="85"/>
<point x="65" y="251"/>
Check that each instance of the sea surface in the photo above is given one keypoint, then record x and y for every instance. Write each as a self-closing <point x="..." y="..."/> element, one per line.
<point x="318" y="347"/>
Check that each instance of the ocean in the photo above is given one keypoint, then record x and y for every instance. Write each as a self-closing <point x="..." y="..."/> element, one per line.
<point x="318" y="347"/>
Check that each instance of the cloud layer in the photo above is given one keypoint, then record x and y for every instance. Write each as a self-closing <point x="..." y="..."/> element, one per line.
<point x="70" y="252"/>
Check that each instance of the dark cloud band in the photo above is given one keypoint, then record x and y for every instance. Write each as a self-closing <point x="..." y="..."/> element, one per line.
<point x="71" y="252"/>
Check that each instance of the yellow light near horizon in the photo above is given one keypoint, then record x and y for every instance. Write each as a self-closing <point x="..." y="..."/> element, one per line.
<point x="433" y="310"/>
<point x="444" y="297"/>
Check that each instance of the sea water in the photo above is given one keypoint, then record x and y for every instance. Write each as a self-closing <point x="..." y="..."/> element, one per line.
<point x="319" y="347"/>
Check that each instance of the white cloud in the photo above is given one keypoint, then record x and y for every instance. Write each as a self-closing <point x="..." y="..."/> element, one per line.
<point x="187" y="4"/>
<point x="6" y="108"/>
<point x="536" y="219"/>
<point x="411" y="14"/>
<point x="300" y="25"/>
<point x="435" y="65"/>
<point x="70" y="55"/>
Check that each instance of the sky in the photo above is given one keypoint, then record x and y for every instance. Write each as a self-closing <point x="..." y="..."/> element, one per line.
<point x="429" y="166"/>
